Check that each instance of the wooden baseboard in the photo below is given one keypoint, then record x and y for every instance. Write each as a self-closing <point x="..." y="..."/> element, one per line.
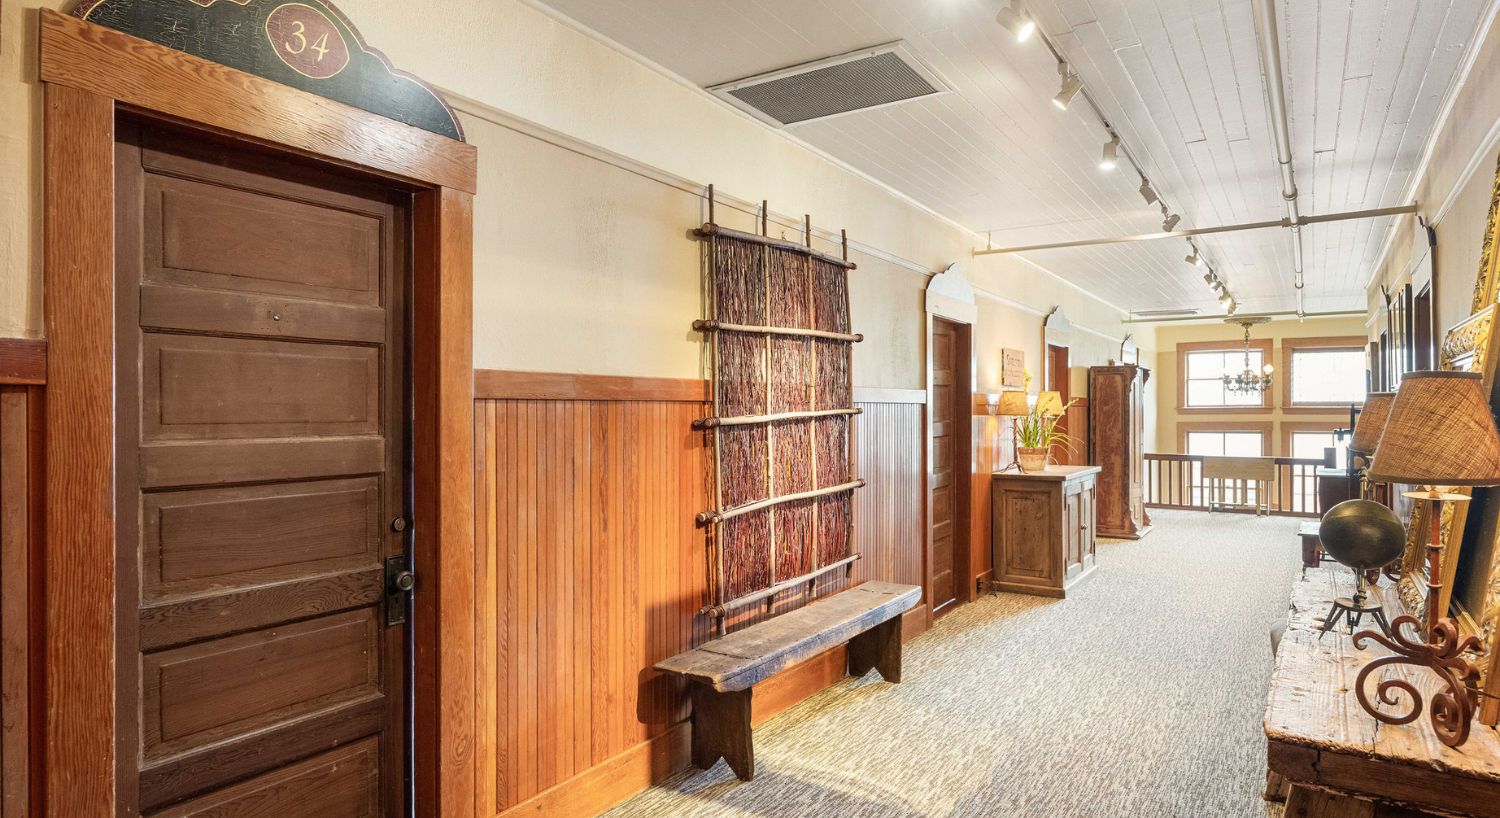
<point x="984" y="583"/>
<point x="606" y="784"/>
<point x="915" y="622"/>
<point x="614" y="780"/>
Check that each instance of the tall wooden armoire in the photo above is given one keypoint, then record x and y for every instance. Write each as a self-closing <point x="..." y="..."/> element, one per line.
<point x="1117" y="422"/>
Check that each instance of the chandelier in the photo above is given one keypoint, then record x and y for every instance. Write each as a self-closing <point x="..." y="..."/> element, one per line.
<point x="1249" y="382"/>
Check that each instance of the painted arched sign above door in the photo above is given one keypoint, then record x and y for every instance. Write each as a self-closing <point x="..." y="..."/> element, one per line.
<point x="307" y="44"/>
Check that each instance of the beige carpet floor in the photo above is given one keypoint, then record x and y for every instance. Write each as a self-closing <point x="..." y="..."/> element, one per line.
<point x="1139" y="696"/>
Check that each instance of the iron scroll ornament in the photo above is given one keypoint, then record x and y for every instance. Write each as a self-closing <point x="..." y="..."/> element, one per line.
<point x="307" y="44"/>
<point x="1452" y="708"/>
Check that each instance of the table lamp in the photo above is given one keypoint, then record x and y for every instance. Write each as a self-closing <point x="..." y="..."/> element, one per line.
<point x="1014" y="404"/>
<point x="1368" y="428"/>
<point x="1440" y="433"/>
<point x="1050" y="404"/>
<point x="1371" y="423"/>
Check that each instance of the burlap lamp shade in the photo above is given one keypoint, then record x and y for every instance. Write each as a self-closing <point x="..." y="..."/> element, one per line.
<point x="1050" y="404"/>
<point x="1371" y="422"/>
<point x="1013" y="403"/>
<point x="1440" y="432"/>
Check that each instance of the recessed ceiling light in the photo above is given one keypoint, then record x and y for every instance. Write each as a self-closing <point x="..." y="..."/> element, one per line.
<point x="1017" y="22"/>
<point x="1111" y="156"/>
<point x="1071" y="85"/>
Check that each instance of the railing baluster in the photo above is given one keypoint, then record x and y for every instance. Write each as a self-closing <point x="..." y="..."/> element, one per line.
<point x="1176" y="481"/>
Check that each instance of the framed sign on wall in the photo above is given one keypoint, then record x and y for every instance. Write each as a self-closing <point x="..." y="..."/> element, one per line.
<point x="1012" y="367"/>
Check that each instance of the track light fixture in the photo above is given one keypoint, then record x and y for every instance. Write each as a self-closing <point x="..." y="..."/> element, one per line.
<point x="1071" y="85"/>
<point x="1226" y="300"/>
<point x="1111" y="156"/>
<point x="1193" y="258"/>
<point x="1017" y="21"/>
<point x="1210" y="279"/>
<point x="1147" y="192"/>
<point x="1170" y="220"/>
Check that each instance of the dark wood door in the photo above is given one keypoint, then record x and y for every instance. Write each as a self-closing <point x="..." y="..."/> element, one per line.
<point x="949" y="483"/>
<point x="262" y="482"/>
<point x="1058" y="380"/>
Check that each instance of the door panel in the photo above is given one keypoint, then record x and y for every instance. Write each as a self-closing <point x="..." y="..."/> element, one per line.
<point x="944" y="430"/>
<point x="197" y="387"/>
<point x="339" y="784"/>
<point x="261" y="429"/>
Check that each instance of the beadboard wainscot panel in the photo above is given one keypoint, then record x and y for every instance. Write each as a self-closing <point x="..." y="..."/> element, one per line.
<point x="591" y="570"/>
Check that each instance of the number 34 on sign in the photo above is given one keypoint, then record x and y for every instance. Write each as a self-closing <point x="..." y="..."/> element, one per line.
<point x="307" y="41"/>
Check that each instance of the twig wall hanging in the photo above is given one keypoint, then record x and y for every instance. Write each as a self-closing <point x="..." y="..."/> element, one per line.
<point x="783" y="410"/>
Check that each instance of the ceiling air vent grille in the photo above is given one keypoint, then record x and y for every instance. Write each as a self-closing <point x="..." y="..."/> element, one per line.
<point x="858" y="81"/>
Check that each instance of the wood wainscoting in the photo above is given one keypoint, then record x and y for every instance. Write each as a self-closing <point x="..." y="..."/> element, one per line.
<point x="591" y="570"/>
<point x="23" y="368"/>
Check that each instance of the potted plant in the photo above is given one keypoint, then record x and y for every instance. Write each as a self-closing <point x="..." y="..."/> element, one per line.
<point x="1037" y="432"/>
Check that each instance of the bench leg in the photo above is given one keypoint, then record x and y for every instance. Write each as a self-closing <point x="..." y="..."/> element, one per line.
<point x="878" y="648"/>
<point x="721" y="729"/>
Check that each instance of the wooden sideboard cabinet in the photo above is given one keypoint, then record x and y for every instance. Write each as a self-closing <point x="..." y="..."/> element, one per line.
<point x="1042" y="529"/>
<point x="1117" y="415"/>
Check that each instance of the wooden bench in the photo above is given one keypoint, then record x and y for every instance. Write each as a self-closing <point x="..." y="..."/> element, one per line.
<point x="722" y="673"/>
<point x="1327" y="757"/>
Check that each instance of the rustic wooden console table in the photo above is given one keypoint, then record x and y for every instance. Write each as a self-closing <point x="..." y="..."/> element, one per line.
<point x="1328" y="757"/>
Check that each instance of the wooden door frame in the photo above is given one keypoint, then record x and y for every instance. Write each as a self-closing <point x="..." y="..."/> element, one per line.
<point x="963" y="469"/>
<point x="90" y="74"/>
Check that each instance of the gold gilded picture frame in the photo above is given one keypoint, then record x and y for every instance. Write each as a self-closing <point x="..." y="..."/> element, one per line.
<point x="1489" y="252"/>
<point x="1488" y="626"/>
<point x="1472" y="345"/>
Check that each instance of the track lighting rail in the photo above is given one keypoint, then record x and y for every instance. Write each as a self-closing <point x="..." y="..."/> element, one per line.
<point x="1374" y="213"/>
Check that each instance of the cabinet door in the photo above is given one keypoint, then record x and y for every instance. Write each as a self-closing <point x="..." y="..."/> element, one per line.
<point x="1088" y="517"/>
<point x="1073" y="528"/>
<point x="1026" y="520"/>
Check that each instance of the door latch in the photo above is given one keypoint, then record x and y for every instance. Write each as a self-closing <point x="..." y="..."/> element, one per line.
<point x="399" y="582"/>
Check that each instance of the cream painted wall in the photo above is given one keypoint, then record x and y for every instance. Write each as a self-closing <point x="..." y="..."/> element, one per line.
<point x="589" y="163"/>
<point x="1166" y="374"/>
<point x="1453" y="195"/>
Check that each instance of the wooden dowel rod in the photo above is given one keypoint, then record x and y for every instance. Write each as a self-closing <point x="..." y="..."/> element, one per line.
<point x="750" y="599"/>
<point x="717" y="326"/>
<point x="750" y="420"/>
<point x="782" y="244"/>
<point x="714" y="517"/>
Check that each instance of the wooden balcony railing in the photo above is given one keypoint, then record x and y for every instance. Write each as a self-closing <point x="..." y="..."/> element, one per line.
<point x="1176" y="481"/>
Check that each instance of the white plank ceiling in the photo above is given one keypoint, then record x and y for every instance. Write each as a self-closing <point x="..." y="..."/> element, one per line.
<point x="1179" y="79"/>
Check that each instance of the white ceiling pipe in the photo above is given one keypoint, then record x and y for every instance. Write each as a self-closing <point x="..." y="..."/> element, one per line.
<point x="1270" y="63"/>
